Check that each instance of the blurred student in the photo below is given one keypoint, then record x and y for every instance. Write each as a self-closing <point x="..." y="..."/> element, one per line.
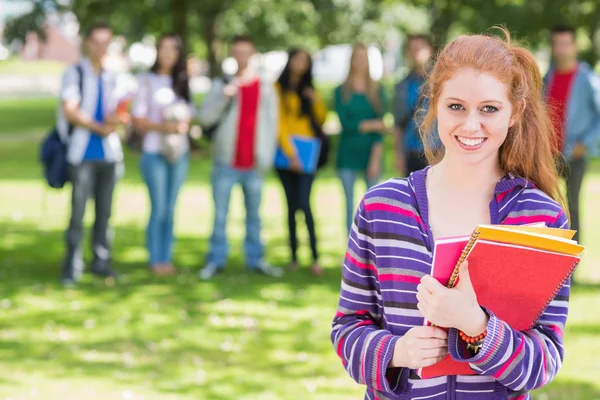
<point x="573" y="96"/>
<point x="360" y="103"/>
<point x="162" y="111"/>
<point x="244" y="143"/>
<point x="87" y="123"/>
<point x="409" y="149"/>
<point x="302" y="113"/>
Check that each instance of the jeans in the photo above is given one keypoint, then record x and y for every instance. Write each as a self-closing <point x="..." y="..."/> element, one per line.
<point x="95" y="179"/>
<point x="348" y="177"/>
<point x="223" y="179"/>
<point x="297" y="188"/>
<point x="573" y="172"/>
<point x="164" y="179"/>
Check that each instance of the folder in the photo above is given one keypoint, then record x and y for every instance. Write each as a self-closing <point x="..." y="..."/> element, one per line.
<point x="307" y="149"/>
<point x="513" y="271"/>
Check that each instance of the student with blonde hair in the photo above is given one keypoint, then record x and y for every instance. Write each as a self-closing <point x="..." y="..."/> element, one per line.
<point x="360" y="103"/>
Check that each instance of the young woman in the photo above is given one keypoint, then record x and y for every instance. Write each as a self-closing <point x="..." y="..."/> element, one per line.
<point x="360" y="105"/>
<point x="301" y="113"/>
<point x="496" y="166"/>
<point x="163" y="94"/>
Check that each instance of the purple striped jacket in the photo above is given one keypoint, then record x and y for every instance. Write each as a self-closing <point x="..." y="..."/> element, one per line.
<point x="389" y="250"/>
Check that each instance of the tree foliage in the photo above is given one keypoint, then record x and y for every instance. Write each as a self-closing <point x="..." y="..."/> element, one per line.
<point x="277" y="24"/>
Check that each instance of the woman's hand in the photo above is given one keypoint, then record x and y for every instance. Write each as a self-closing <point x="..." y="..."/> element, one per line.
<point x="452" y="308"/>
<point x="169" y="127"/>
<point x="183" y="127"/>
<point x="309" y="93"/>
<point x="374" y="169"/>
<point x="420" y="347"/>
<point x="372" y="125"/>
<point x="296" y="164"/>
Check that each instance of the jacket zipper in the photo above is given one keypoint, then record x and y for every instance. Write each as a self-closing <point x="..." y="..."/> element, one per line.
<point x="451" y="387"/>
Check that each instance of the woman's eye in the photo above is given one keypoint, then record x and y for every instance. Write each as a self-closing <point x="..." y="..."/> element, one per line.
<point x="455" y="107"/>
<point x="489" y="109"/>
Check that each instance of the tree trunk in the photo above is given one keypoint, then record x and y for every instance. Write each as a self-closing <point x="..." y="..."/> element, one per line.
<point x="179" y="12"/>
<point x="210" y="38"/>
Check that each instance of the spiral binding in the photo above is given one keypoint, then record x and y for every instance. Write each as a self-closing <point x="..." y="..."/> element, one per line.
<point x="555" y="292"/>
<point x="463" y="257"/>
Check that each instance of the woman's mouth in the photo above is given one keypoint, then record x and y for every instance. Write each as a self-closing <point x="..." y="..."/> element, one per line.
<point x="468" y="143"/>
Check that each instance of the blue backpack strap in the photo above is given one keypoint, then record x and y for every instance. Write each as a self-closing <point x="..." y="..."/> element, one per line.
<point x="80" y="84"/>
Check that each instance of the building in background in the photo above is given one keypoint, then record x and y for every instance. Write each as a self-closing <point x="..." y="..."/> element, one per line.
<point x="62" y="41"/>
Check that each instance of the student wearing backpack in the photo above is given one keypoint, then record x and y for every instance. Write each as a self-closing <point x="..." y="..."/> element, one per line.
<point x="163" y="92"/>
<point x="244" y="145"/>
<point x="87" y="123"/>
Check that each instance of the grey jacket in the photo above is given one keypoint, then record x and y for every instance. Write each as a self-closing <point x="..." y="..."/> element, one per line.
<point x="225" y="136"/>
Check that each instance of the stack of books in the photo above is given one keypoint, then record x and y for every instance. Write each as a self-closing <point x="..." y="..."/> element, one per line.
<point x="516" y="272"/>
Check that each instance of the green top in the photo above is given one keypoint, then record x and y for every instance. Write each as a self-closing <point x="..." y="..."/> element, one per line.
<point x="355" y="147"/>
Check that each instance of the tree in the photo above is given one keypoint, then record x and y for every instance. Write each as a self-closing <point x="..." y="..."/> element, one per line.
<point x="33" y="21"/>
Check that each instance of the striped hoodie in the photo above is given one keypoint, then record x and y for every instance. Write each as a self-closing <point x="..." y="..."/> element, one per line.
<point x="389" y="250"/>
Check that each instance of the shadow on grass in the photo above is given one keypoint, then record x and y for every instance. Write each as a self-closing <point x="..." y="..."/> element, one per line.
<point x="176" y="335"/>
<point x="241" y="327"/>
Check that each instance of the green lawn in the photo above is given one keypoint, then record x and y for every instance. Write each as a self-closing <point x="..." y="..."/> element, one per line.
<point x="18" y="66"/>
<point x="240" y="336"/>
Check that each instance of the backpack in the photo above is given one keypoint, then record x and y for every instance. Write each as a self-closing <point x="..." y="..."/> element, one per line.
<point x="53" y="151"/>
<point x="209" y="131"/>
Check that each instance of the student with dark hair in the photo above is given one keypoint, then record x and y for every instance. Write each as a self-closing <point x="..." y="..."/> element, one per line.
<point x="244" y="109"/>
<point x="87" y="123"/>
<point x="302" y="113"/>
<point x="573" y="97"/>
<point x="162" y="110"/>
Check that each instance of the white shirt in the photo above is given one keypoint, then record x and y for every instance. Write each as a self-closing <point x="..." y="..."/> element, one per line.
<point x="111" y="94"/>
<point x="155" y="93"/>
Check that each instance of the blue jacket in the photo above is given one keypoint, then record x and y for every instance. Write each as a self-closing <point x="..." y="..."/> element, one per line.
<point x="583" y="110"/>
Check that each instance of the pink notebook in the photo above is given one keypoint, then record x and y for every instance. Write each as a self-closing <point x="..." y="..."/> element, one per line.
<point x="446" y="253"/>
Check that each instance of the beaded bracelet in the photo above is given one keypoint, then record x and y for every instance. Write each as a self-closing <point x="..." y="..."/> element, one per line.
<point x="471" y="339"/>
<point x="473" y="343"/>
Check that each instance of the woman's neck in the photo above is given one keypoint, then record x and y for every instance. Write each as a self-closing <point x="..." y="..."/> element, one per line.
<point x="358" y="83"/>
<point x="458" y="177"/>
<point x="164" y="71"/>
<point x="294" y="81"/>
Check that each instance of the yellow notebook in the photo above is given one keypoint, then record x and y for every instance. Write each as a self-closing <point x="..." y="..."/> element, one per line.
<point x="550" y="239"/>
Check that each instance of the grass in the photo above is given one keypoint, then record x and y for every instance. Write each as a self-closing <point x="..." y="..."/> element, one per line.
<point x="19" y="66"/>
<point x="26" y="116"/>
<point x="240" y="336"/>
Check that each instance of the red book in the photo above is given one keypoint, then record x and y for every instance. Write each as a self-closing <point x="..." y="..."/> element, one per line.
<point x="516" y="283"/>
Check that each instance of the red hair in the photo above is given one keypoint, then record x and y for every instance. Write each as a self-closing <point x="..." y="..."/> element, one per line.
<point x="527" y="150"/>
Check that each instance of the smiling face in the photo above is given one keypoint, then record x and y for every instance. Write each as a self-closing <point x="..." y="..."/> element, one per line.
<point x="474" y="114"/>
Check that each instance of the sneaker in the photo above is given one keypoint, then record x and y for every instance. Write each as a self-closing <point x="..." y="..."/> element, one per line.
<point x="267" y="269"/>
<point x="104" y="272"/>
<point x="68" y="283"/>
<point x="209" y="271"/>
